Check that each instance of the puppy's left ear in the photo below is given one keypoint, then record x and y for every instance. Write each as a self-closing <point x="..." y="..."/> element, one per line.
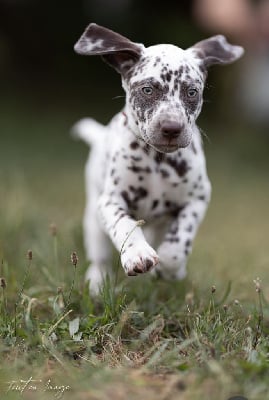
<point x="117" y="50"/>
<point x="216" y="50"/>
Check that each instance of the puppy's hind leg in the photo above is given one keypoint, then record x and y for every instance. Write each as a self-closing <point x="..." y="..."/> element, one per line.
<point x="97" y="246"/>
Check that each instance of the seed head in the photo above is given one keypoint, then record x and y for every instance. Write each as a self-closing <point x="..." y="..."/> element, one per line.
<point x="213" y="289"/>
<point x="59" y="290"/>
<point x="29" y="255"/>
<point x="74" y="258"/>
<point x="225" y="307"/>
<point x="3" y="283"/>
<point x="189" y="298"/>
<point x="53" y="229"/>
<point x="257" y="283"/>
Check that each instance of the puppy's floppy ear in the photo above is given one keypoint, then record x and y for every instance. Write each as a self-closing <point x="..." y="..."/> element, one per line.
<point x="116" y="50"/>
<point x="216" y="50"/>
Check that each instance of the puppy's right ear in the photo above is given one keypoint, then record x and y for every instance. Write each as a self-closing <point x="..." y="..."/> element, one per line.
<point x="216" y="50"/>
<point x="116" y="50"/>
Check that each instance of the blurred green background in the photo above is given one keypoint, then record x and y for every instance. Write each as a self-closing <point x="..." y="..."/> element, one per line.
<point x="46" y="88"/>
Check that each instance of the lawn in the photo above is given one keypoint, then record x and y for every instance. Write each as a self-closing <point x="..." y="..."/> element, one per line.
<point x="205" y="337"/>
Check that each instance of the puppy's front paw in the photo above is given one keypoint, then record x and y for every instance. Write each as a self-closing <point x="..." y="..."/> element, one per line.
<point x="138" y="259"/>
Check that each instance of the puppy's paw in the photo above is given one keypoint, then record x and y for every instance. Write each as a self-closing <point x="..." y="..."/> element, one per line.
<point x="172" y="264"/>
<point x="169" y="273"/>
<point x="138" y="259"/>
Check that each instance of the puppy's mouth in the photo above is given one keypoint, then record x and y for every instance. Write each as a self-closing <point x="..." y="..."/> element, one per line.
<point x="166" y="147"/>
<point x="170" y="146"/>
<point x="169" y="142"/>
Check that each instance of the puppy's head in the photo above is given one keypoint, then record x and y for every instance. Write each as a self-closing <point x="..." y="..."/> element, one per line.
<point x="163" y="83"/>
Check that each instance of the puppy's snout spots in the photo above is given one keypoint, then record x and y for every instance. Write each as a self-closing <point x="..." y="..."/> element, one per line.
<point x="171" y="129"/>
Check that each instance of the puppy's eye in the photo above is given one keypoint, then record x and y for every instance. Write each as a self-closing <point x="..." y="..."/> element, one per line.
<point x="147" y="90"/>
<point x="192" y="92"/>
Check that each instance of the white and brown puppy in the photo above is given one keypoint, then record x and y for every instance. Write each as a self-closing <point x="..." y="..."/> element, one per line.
<point x="148" y="163"/>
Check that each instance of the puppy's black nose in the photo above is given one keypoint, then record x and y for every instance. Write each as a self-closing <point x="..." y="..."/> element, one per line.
<point x="171" y="129"/>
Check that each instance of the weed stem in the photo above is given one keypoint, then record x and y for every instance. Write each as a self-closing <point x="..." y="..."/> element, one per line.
<point x="26" y="274"/>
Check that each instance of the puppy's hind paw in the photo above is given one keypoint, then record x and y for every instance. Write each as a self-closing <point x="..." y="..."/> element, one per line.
<point x="169" y="274"/>
<point x="96" y="276"/>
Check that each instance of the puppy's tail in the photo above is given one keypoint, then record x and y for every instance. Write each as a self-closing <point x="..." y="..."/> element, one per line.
<point x="88" y="130"/>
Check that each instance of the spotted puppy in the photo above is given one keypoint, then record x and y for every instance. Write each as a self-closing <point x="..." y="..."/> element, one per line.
<point x="148" y="163"/>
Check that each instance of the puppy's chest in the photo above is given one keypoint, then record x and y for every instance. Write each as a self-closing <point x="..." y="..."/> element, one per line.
<point x="155" y="184"/>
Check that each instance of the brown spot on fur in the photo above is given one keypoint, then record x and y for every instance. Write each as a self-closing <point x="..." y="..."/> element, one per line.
<point x="181" y="167"/>
<point x="134" y="145"/>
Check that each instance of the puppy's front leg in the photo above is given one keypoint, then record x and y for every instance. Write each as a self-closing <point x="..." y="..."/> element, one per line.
<point x="177" y="243"/>
<point x="136" y="255"/>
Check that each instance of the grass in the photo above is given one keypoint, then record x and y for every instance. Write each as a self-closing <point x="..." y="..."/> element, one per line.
<point x="206" y="337"/>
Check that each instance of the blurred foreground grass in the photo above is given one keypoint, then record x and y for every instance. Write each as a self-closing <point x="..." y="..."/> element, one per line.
<point x="154" y="339"/>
